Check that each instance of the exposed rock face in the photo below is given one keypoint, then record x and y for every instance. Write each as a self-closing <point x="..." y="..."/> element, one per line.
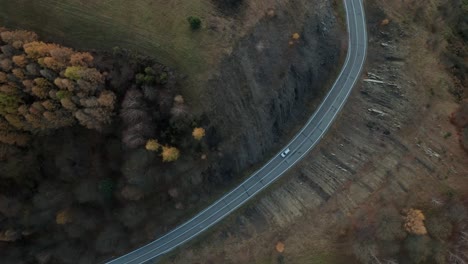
<point x="263" y="88"/>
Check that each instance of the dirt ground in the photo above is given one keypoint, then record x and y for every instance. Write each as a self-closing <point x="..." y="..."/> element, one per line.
<point x="393" y="142"/>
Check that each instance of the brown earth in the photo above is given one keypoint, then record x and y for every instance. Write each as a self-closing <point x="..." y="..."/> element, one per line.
<point x="392" y="143"/>
<point x="277" y="68"/>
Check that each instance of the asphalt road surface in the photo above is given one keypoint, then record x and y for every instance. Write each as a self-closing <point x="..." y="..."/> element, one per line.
<point x="302" y="143"/>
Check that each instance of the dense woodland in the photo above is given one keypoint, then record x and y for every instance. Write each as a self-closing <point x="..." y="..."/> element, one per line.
<point x="87" y="146"/>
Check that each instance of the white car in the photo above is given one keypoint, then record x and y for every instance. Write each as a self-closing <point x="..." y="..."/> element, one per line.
<point x="285" y="152"/>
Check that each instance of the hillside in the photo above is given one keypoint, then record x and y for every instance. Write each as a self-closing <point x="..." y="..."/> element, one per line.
<point x="388" y="184"/>
<point x="193" y="111"/>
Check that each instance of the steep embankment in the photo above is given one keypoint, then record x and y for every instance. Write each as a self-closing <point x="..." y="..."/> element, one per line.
<point x="265" y="87"/>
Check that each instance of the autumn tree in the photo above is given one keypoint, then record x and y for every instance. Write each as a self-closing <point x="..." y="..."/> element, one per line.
<point x="152" y="145"/>
<point x="198" y="133"/>
<point x="18" y="38"/>
<point x="45" y="86"/>
<point x="170" y="154"/>
<point x="414" y="222"/>
<point x="20" y="60"/>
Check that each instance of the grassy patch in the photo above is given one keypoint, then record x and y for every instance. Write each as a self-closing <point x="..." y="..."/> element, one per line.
<point x="153" y="27"/>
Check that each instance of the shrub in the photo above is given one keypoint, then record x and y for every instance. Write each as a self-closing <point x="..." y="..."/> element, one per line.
<point x="170" y="154"/>
<point x="414" y="222"/>
<point x="198" y="133"/>
<point x="195" y="22"/>
<point x="152" y="145"/>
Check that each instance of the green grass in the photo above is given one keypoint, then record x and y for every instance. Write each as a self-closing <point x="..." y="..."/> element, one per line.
<point x="157" y="28"/>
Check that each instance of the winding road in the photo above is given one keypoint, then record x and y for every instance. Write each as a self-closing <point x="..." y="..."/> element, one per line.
<point x="299" y="146"/>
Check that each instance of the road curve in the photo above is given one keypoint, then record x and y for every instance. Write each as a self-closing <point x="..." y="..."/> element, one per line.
<point x="299" y="146"/>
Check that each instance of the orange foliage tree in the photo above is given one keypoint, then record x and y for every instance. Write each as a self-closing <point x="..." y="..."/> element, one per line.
<point x="61" y="86"/>
<point x="414" y="222"/>
<point x="198" y="133"/>
<point x="170" y="154"/>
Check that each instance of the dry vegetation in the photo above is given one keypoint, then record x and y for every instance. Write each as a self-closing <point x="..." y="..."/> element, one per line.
<point x="388" y="186"/>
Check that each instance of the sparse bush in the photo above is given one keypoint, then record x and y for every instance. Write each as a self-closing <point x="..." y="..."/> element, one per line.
<point x="195" y="22"/>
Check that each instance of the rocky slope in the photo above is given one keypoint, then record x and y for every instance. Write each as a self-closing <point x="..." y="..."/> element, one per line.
<point x="264" y="88"/>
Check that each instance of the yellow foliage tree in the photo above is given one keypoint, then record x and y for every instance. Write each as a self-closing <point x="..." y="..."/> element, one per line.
<point x="198" y="133"/>
<point x="38" y="49"/>
<point x="170" y="154"/>
<point x="414" y="222"/>
<point x="152" y="145"/>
